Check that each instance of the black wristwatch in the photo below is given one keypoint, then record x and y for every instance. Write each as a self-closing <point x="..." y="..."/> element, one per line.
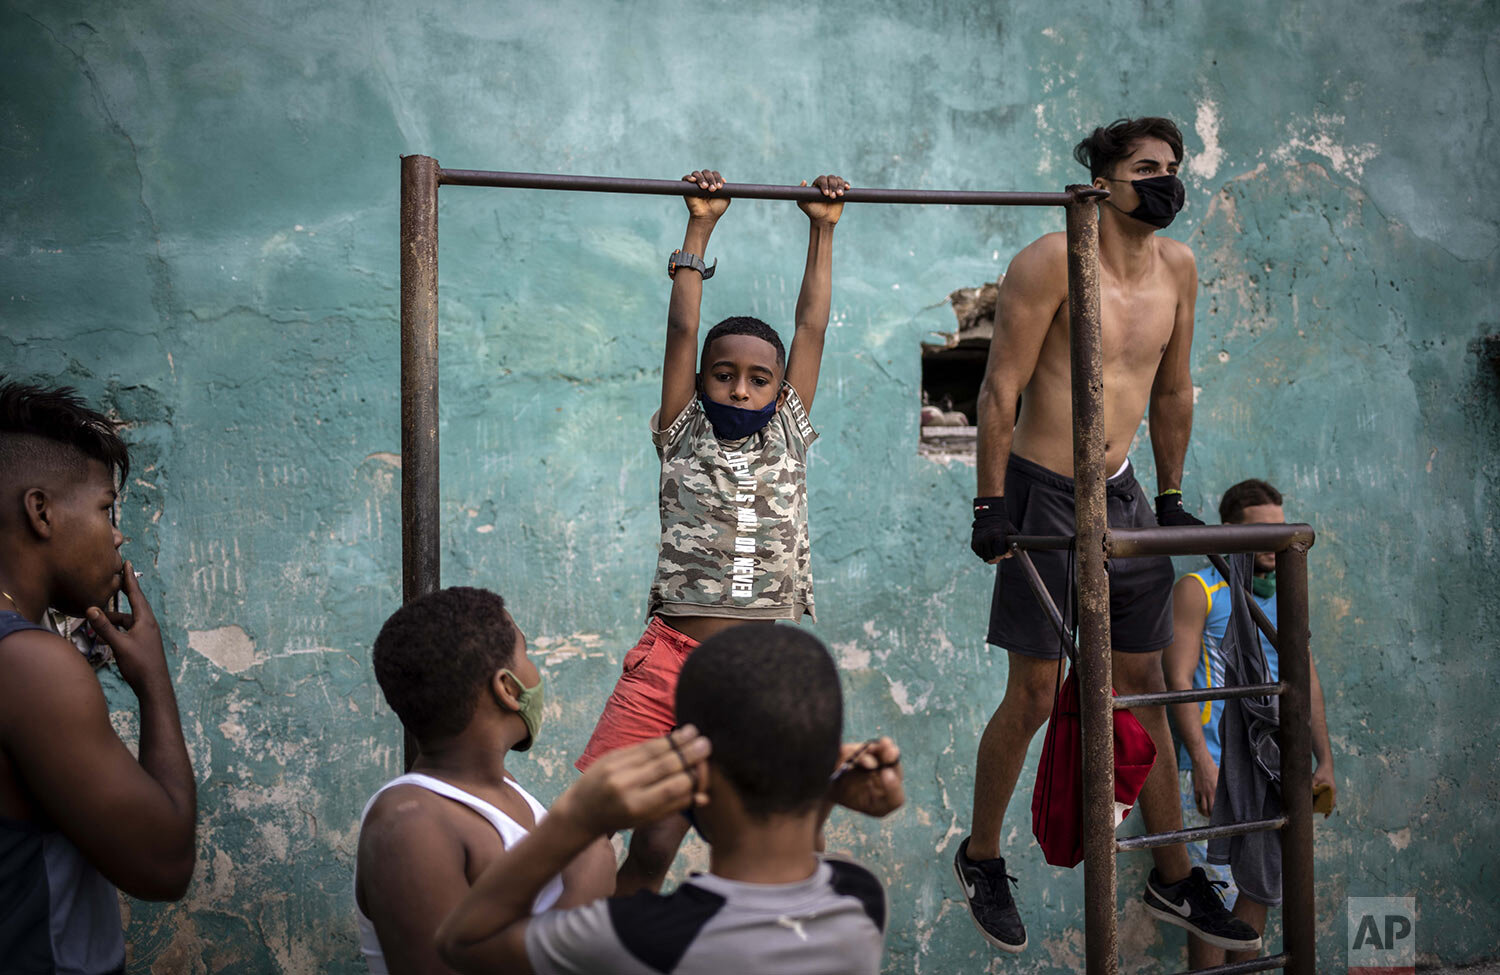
<point x="693" y="262"/>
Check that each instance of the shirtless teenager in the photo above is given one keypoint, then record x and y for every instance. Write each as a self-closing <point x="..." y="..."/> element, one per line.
<point x="1147" y="288"/>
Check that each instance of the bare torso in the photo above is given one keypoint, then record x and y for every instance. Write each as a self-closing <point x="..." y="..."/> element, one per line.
<point x="700" y="628"/>
<point x="1137" y="321"/>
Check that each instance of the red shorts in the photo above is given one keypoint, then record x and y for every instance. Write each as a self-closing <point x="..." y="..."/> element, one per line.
<point x="643" y="703"/>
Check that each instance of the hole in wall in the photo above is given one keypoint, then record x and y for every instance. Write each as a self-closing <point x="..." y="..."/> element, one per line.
<point x="952" y="371"/>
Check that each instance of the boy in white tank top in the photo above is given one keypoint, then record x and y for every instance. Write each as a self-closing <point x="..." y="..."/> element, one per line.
<point x="453" y="666"/>
<point x="759" y="762"/>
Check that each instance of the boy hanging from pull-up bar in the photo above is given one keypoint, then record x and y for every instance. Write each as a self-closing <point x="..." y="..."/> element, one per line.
<point x="732" y="434"/>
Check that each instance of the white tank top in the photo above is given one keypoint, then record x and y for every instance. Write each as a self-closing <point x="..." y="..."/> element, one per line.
<point x="510" y="833"/>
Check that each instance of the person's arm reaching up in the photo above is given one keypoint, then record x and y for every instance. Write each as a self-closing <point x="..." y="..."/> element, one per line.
<point x="639" y="784"/>
<point x="679" y="374"/>
<point x="1034" y="287"/>
<point x="815" y="299"/>
<point x="1189" y="614"/>
<point x="133" y="819"/>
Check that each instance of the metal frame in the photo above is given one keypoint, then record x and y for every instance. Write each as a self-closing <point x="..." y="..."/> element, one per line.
<point x="421" y="177"/>
<point x="1097" y="704"/>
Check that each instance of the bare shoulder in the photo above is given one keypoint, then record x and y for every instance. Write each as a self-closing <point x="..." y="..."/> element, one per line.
<point x="44" y="649"/>
<point x="1187" y="585"/>
<point x="410" y="861"/>
<point x="1188" y="597"/>
<point x="403" y="812"/>
<point x="1040" y="265"/>
<point x="408" y="830"/>
<point x="1048" y="252"/>
<point x="46" y="679"/>
<point x="1178" y="256"/>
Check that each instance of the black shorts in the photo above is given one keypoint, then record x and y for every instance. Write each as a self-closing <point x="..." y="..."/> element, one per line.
<point x="1040" y="502"/>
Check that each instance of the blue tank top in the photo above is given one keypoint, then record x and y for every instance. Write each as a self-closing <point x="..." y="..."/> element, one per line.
<point x="1210" y="670"/>
<point x="57" y="913"/>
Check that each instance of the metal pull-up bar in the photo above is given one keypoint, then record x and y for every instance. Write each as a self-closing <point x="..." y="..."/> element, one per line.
<point x="761" y="191"/>
<point x="1093" y="542"/>
<point x="420" y="178"/>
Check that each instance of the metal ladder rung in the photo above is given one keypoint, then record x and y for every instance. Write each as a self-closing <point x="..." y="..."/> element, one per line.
<point x="1199" y="694"/>
<point x="1235" y="968"/>
<point x="1150" y="840"/>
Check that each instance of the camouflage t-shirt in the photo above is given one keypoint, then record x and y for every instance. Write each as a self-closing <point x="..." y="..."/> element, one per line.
<point x="734" y="518"/>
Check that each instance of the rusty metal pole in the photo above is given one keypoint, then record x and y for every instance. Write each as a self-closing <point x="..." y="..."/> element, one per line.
<point x="1298" y="932"/>
<point x="419" y="383"/>
<point x="1094" y="671"/>
<point x="753" y="191"/>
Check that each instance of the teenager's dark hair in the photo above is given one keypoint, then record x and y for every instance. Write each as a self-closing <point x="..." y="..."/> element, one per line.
<point x="768" y="699"/>
<point x="434" y="655"/>
<point x="1246" y="494"/>
<point x="745" y="325"/>
<point x="1110" y="143"/>
<point x="52" y="430"/>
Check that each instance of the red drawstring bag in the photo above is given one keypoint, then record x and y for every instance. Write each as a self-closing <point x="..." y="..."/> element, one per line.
<point x="1057" y="801"/>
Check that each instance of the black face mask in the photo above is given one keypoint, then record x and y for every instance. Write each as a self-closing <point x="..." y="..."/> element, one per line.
<point x="1161" y="197"/>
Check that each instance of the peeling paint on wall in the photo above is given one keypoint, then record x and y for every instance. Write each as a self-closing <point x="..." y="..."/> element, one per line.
<point x="199" y="232"/>
<point x="1206" y="125"/>
<point x="227" y="646"/>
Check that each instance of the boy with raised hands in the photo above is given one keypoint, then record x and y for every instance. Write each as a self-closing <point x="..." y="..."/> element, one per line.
<point x="80" y="816"/>
<point x="732" y="434"/>
<point x="759" y="764"/>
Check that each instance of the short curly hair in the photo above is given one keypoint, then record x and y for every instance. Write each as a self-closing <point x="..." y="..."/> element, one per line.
<point x="1110" y="143"/>
<point x="744" y="325"/>
<point x="769" y="700"/>
<point x="434" y="655"/>
<point x="1246" y="494"/>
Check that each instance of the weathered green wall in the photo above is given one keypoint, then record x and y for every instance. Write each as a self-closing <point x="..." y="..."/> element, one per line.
<point x="199" y="230"/>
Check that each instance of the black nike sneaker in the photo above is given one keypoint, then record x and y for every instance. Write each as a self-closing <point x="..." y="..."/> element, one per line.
<point x="987" y="891"/>
<point x="1195" y="903"/>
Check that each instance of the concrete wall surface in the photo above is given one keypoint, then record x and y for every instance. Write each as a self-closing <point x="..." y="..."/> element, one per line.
<point x="198" y="224"/>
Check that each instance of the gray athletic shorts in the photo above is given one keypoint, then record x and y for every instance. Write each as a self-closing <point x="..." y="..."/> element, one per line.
<point x="1040" y="502"/>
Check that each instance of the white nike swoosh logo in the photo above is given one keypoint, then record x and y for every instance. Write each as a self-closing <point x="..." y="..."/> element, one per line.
<point x="968" y="887"/>
<point x="1184" y="910"/>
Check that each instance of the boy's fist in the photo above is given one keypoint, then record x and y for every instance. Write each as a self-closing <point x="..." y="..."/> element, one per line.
<point x="705" y="207"/>
<point x="869" y="778"/>
<point x="832" y="187"/>
<point x="1171" y="514"/>
<point x="992" y="530"/>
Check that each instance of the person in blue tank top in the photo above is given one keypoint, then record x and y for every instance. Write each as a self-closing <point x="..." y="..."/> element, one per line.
<point x="1200" y="614"/>
<point x="80" y="816"/>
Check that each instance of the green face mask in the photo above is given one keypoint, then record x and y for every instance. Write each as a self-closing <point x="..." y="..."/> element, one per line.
<point x="530" y="700"/>
<point x="1264" y="586"/>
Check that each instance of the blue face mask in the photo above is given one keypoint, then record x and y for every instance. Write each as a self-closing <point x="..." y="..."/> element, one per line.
<point x="733" y="422"/>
